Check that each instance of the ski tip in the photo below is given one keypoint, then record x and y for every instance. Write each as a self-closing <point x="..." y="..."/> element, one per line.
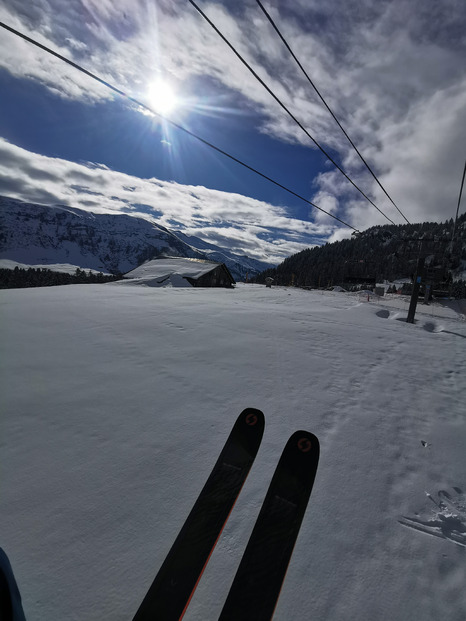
<point x="304" y="443"/>
<point x="252" y="418"/>
<point x="249" y="427"/>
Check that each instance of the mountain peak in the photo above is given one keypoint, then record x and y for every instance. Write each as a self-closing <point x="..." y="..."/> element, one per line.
<point x="34" y="234"/>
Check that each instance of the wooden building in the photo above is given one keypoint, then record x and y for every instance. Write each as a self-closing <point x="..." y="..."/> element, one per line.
<point x="181" y="272"/>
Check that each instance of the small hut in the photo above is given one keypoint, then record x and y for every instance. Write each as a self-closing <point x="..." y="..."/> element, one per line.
<point x="181" y="272"/>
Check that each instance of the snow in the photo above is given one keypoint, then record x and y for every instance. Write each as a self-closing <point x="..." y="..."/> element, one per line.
<point x="65" y="268"/>
<point x="117" y="400"/>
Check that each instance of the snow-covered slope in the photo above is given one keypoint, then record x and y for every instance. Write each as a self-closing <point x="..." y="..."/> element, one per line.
<point x="116" y="402"/>
<point x="39" y="235"/>
<point x="36" y="235"/>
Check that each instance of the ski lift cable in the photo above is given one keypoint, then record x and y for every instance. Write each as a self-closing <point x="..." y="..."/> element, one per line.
<point x="459" y="201"/>
<point x="169" y="121"/>
<point x="285" y="42"/>
<point x="282" y="105"/>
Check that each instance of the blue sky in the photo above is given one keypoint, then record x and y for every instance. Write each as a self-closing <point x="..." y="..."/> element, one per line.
<point x="393" y="72"/>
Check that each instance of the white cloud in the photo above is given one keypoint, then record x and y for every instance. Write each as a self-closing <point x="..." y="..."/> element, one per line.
<point x="393" y="72"/>
<point x="242" y="224"/>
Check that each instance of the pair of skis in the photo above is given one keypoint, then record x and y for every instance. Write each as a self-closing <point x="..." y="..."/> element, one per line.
<point x="256" y="586"/>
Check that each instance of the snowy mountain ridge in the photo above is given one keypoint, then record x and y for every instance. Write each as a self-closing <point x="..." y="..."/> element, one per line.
<point x="243" y="265"/>
<point x="33" y="234"/>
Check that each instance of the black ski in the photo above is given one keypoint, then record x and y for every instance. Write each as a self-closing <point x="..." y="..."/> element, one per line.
<point x="257" y="584"/>
<point x="177" y="579"/>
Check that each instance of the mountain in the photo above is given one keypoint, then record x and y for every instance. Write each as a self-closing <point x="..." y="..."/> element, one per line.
<point x="380" y="253"/>
<point x="241" y="266"/>
<point x="32" y="234"/>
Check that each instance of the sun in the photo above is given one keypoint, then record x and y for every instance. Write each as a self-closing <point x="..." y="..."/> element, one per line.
<point x="161" y="96"/>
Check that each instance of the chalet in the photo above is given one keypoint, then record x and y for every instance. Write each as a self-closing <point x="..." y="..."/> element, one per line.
<point x="181" y="272"/>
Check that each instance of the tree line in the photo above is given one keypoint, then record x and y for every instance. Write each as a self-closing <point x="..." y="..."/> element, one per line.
<point x="19" y="278"/>
<point x="380" y="253"/>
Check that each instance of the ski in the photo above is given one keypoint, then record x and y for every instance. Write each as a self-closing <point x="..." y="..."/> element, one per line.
<point x="257" y="584"/>
<point x="174" y="585"/>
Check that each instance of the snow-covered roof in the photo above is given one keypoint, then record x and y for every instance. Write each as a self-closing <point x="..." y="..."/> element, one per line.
<point x="171" y="270"/>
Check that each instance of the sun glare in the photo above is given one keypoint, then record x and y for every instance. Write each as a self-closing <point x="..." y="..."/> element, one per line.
<point x="162" y="97"/>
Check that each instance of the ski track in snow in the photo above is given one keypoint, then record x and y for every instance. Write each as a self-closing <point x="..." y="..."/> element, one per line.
<point x="447" y="521"/>
<point x="118" y="400"/>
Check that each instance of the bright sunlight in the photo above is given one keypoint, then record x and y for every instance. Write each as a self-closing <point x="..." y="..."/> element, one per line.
<point x="161" y="97"/>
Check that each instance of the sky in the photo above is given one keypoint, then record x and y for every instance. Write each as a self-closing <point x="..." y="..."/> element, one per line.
<point x="392" y="72"/>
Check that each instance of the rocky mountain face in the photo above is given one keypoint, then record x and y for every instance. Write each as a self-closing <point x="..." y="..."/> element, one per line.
<point x="41" y="235"/>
